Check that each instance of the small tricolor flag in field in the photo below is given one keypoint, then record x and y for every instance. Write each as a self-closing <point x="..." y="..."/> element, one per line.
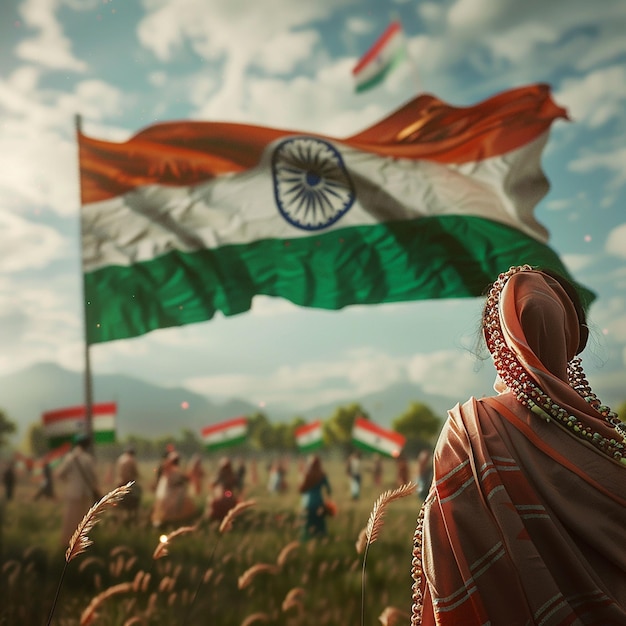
<point x="380" y="59"/>
<point x="61" y="425"/>
<point x="52" y="457"/>
<point x="373" y="438"/>
<point x="309" y="436"/>
<point x="226" y="434"/>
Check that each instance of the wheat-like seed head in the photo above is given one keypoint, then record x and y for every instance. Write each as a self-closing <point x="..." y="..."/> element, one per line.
<point x="255" y="617"/>
<point x="246" y="578"/>
<point x="162" y="547"/>
<point x="89" y="613"/>
<point x="375" y="522"/>
<point x="361" y="542"/>
<point x="80" y="540"/>
<point x="227" y="522"/>
<point x="285" y="552"/>
<point x="391" y="616"/>
<point x="293" y="599"/>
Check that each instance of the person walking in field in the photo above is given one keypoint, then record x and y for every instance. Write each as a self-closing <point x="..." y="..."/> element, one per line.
<point x="78" y="473"/>
<point x="172" y="503"/>
<point x="46" y="489"/>
<point x="127" y="470"/>
<point x="314" y="488"/>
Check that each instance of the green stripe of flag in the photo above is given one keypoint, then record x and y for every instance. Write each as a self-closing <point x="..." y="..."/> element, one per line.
<point x="430" y="257"/>
<point x="228" y="443"/>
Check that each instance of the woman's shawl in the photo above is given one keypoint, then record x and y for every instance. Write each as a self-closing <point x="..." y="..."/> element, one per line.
<point x="524" y="524"/>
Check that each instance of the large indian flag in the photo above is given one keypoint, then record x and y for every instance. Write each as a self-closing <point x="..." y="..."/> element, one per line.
<point x="188" y="218"/>
<point x="226" y="434"/>
<point x="374" y="438"/>
<point x="380" y="59"/>
<point x="61" y="425"/>
<point x="309" y="436"/>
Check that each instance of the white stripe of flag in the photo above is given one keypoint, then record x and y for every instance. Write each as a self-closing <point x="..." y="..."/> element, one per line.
<point x="374" y="438"/>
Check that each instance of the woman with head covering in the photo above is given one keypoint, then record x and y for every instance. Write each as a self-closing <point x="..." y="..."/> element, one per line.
<point x="524" y="522"/>
<point x="314" y="487"/>
<point x="172" y="503"/>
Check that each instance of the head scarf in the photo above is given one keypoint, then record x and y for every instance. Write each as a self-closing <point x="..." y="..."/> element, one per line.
<point x="533" y="332"/>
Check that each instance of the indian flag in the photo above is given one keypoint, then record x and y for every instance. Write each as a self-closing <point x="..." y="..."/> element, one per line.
<point x="309" y="436"/>
<point x="52" y="457"/>
<point x="381" y="58"/>
<point x="226" y="434"/>
<point x="189" y="218"/>
<point x="374" y="438"/>
<point x="61" y="425"/>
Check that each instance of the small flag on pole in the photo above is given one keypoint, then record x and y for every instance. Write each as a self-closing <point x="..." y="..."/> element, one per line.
<point x="226" y="434"/>
<point x="309" y="436"/>
<point x="54" y="456"/>
<point x="380" y="59"/>
<point x="61" y="425"/>
<point x="374" y="438"/>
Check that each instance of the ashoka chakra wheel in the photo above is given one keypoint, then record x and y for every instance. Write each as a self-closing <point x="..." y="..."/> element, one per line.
<point x="311" y="184"/>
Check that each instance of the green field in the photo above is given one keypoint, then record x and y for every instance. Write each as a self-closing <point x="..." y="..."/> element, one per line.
<point x="197" y="582"/>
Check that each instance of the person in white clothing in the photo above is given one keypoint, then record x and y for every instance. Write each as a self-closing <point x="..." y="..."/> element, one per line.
<point x="78" y="474"/>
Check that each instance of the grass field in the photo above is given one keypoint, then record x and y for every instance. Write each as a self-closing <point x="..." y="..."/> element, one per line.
<point x="314" y="583"/>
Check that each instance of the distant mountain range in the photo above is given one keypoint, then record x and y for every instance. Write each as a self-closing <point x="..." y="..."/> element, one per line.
<point x="151" y="411"/>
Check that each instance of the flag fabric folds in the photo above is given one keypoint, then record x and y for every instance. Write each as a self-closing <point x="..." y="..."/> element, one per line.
<point x="309" y="436"/>
<point x="380" y="59"/>
<point x="225" y="434"/>
<point x="374" y="438"/>
<point x="61" y="425"/>
<point x="189" y="218"/>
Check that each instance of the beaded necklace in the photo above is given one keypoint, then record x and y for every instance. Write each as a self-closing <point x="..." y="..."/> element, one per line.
<point x="532" y="396"/>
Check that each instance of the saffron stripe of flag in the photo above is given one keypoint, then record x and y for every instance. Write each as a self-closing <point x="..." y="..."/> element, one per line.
<point x="225" y="434"/>
<point x="309" y="436"/>
<point x="380" y="59"/>
<point x="189" y="218"/>
<point x="373" y="438"/>
<point x="61" y="425"/>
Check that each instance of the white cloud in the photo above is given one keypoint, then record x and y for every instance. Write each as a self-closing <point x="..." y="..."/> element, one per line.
<point x="50" y="47"/>
<point x="613" y="161"/>
<point x="616" y="241"/>
<point x="577" y="262"/>
<point x="595" y="98"/>
<point x="309" y="384"/>
<point x="281" y="54"/>
<point x="28" y="245"/>
<point x="38" y="323"/>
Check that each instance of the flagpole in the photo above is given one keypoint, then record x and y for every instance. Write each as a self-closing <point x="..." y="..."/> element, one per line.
<point x="87" y="363"/>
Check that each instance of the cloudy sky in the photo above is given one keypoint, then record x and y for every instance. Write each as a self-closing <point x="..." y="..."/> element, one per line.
<point x="125" y="64"/>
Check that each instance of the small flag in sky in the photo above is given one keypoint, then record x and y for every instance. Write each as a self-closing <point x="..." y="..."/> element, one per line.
<point x="380" y="59"/>
<point x="226" y="434"/>
<point x="374" y="438"/>
<point x="189" y="218"/>
<point x="309" y="436"/>
<point x="61" y="425"/>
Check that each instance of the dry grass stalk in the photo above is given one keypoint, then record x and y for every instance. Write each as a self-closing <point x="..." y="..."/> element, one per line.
<point x="227" y="522"/>
<point x="361" y="542"/>
<point x="135" y="621"/>
<point x="80" y="540"/>
<point x="255" y="617"/>
<point x="375" y="522"/>
<point x="293" y="599"/>
<point x="90" y="612"/>
<point x="285" y="552"/>
<point x="164" y="540"/>
<point x="392" y="616"/>
<point x="246" y="578"/>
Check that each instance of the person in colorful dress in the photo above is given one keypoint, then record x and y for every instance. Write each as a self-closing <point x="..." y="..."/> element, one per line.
<point x="315" y="488"/>
<point x="524" y="521"/>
